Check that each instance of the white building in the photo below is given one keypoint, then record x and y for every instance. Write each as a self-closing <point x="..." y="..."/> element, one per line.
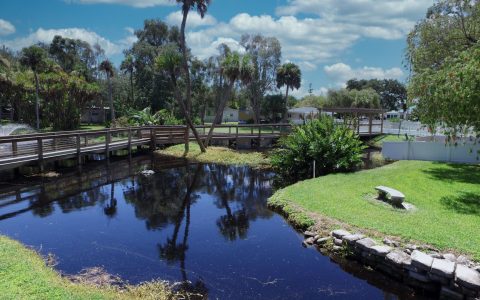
<point x="393" y="115"/>
<point x="300" y="115"/>
<point x="229" y="115"/>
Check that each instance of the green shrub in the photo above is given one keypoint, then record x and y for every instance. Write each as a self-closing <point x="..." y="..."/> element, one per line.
<point x="334" y="148"/>
<point x="145" y="117"/>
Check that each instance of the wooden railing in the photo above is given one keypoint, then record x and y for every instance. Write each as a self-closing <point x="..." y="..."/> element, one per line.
<point x="38" y="147"/>
<point x="42" y="146"/>
<point x="246" y="130"/>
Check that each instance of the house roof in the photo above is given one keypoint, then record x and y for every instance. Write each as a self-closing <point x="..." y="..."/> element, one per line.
<point x="303" y="110"/>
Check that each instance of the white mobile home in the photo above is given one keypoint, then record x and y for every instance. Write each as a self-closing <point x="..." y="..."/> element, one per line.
<point x="300" y="115"/>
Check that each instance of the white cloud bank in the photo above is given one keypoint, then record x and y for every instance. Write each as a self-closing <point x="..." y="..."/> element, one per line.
<point x="134" y="3"/>
<point x="6" y="27"/>
<point x="385" y="19"/>
<point x="46" y="36"/>
<point x="340" y="73"/>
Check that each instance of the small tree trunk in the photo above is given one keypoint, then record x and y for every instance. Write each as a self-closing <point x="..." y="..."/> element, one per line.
<point x="284" y="114"/>
<point x="37" y="101"/>
<point x="219" y="113"/>
<point x="187" y="105"/>
<point x="186" y="70"/>
<point x="131" y="87"/>
<point x="110" y="96"/>
<point x="189" y="121"/>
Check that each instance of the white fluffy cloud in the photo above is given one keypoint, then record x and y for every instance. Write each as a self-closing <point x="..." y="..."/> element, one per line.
<point x="194" y="20"/>
<point x="305" y="41"/>
<point x="340" y="73"/>
<point x="134" y="3"/>
<point x="386" y="19"/>
<point x="46" y="36"/>
<point x="6" y="27"/>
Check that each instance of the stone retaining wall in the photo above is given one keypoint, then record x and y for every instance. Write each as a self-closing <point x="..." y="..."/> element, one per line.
<point x="445" y="275"/>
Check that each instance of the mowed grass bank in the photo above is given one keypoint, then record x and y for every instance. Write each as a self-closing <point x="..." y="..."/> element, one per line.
<point x="24" y="275"/>
<point x="219" y="155"/>
<point x="379" y="140"/>
<point x="447" y="197"/>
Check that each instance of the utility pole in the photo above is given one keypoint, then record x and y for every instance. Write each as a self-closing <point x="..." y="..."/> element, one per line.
<point x="310" y="90"/>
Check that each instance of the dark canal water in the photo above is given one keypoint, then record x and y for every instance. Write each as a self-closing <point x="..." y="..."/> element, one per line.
<point x="207" y="224"/>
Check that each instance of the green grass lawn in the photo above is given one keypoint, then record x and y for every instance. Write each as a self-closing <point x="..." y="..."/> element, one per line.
<point x="379" y="140"/>
<point x="91" y="127"/>
<point x="24" y="275"/>
<point x="219" y="155"/>
<point x="447" y="197"/>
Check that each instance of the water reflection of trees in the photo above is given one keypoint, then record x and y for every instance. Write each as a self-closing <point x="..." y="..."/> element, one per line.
<point x="242" y="188"/>
<point x="163" y="200"/>
<point x="168" y="197"/>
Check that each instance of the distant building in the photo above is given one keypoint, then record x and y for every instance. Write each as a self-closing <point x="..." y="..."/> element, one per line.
<point x="229" y="115"/>
<point x="6" y="113"/>
<point x="393" y="114"/>
<point x="95" y="115"/>
<point x="301" y="114"/>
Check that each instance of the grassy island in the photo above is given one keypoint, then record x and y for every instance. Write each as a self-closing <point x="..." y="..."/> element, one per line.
<point x="446" y="196"/>
<point x="219" y="155"/>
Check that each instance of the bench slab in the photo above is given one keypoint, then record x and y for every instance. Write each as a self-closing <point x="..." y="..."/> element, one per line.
<point x="395" y="196"/>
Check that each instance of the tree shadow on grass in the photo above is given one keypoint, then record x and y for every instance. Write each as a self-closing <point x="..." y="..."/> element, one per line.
<point x="465" y="203"/>
<point x="456" y="172"/>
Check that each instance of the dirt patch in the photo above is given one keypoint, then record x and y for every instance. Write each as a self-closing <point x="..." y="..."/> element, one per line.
<point x="96" y="276"/>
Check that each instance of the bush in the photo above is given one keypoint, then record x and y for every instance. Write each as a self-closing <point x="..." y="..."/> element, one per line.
<point x="334" y="148"/>
<point x="146" y="118"/>
<point x="121" y="122"/>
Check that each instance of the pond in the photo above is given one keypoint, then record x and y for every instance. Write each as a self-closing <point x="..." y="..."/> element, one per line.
<point x="206" y="224"/>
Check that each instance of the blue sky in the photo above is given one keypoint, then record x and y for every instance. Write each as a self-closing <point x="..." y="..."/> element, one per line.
<point x="331" y="40"/>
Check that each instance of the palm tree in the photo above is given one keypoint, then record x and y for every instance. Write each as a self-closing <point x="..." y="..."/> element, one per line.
<point x="107" y="67"/>
<point x="187" y="5"/>
<point x="288" y="75"/>
<point x="4" y="63"/>
<point x="5" y="69"/>
<point x="34" y="58"/>
<point x="128" y="66"/>
<point x="234" y="67"/>
<point x="169" y="61"/>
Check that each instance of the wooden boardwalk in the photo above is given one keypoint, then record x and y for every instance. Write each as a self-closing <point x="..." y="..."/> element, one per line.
<point x="40" y="148"/>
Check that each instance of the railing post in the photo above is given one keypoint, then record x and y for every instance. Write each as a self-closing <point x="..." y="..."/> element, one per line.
<point x="79" y="157"/>
<point x="129" y="141"/>
<point x="370" y="119"/>
<point x="40" y="153"/>
<point x="259" y="136"/>
<point x="153" y="135"/>
<point x="358" y="123"/>
<point x="381" y="125"/>
<point x="14" y="148"/>
<point x="54" y="143"/>
<point x="236" y="137"/>
<point x="187" y="139"/>
<point x="107" y="143"/>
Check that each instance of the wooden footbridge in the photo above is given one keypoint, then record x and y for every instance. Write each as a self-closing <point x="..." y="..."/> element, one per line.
<point x="40" y="148"/>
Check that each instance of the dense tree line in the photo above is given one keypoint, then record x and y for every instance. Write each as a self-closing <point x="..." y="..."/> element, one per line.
<point x="158" y="73"/>
<point x="443" y="54"/>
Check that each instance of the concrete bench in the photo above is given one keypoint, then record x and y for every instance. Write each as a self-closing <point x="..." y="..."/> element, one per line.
<point x="396" y="197"/>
